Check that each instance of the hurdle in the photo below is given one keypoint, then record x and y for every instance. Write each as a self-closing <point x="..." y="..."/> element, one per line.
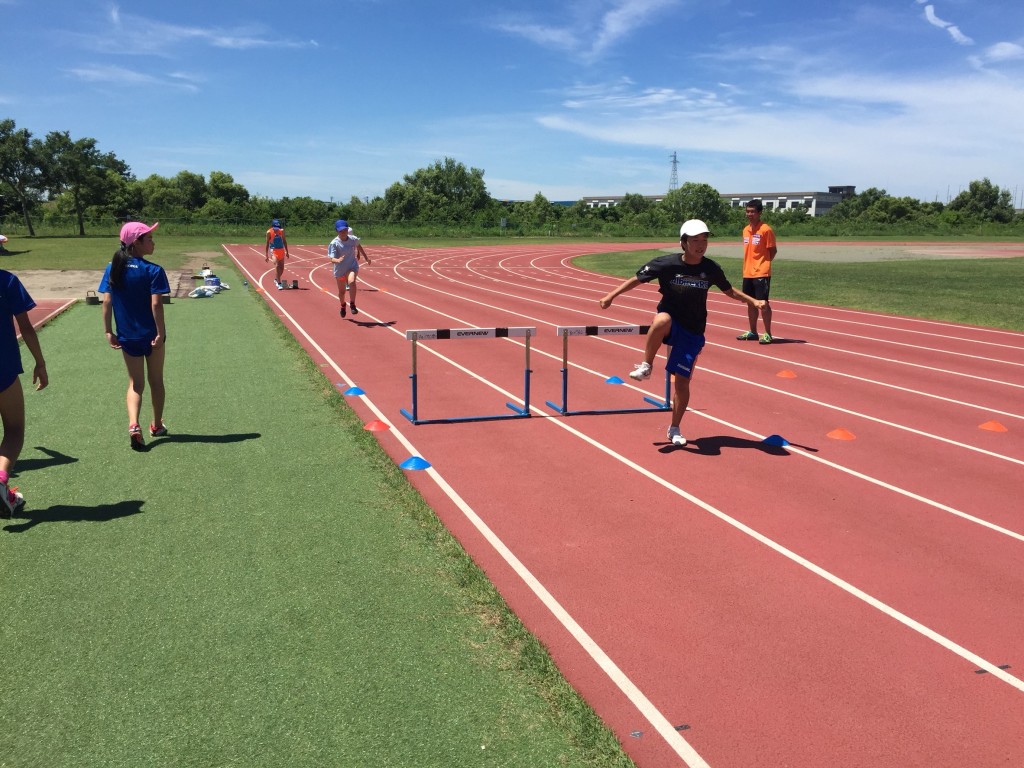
<point x="470" y="333"/>
<point x="604" y="330"/>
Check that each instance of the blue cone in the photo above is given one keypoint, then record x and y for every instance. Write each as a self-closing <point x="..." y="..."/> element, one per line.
<point x="415" y="462"/>
<point x="614" y="380"/>
<point x="353" y="391"/>
<point x="777" y="440"/>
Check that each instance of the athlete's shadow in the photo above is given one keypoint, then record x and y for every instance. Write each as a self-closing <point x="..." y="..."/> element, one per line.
<point x="181" y="437"/>
<point x="55" y="459"/>
<point x="715" y="444"/>
<point x="364" y="324"/>
<point x="66" y="513"/>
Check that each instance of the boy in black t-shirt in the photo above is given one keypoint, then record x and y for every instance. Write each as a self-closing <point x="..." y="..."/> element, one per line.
<point x="684" y="280"/>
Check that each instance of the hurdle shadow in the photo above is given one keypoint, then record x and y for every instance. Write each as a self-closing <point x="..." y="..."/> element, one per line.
<point x="67" y="513"/>
<point x="715" y="444"/>
<point x="56" y="459"/>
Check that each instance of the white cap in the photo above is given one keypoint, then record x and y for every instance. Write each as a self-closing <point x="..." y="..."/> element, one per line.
<point x="694" y="227"/>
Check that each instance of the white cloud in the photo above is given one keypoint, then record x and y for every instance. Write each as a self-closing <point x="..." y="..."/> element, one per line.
<point x="1004" y="52"/>
<point x="954" y="31"/>
<point x="141" y="35"/>
<point x="892" y="132"/>
<point x="591" y="34"/>
<point x="114" y="75"/>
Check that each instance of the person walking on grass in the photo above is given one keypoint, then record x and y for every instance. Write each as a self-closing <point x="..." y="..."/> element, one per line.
<point x="344" y="252"/>
<point x="684" y="280"/>
<point x="132" y="291"/>
<point x="14" y="306"/>
<point x="758" y="252"/>
<point x="277" y="244"/>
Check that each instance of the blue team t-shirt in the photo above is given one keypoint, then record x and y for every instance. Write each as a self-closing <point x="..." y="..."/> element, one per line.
<point x="14" y="300"/>
<point x="132" y="300"/>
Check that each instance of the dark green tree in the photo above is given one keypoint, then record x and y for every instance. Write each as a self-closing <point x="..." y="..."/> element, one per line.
<point x="695" y="201"/>
<point x="222" y="185"/>
<point x="80" y="171"/>
<point x="984" y="201"/>
<point x="21" y="169"/>
<point x="446" y="192"/>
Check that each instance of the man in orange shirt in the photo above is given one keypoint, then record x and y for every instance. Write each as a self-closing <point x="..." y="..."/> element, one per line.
<point x="758" y="251"/>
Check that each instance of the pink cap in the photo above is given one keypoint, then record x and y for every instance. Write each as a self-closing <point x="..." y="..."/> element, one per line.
<point x="133" y="230"/>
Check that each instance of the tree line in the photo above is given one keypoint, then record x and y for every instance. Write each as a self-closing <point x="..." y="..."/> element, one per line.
<point x="59" y="178"/>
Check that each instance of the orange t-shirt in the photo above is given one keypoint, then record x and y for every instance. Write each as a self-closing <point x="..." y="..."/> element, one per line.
<point x="757" y="251"/>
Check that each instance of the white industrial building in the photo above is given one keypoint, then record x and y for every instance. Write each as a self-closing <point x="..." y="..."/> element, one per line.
<point x="816" y="203"/>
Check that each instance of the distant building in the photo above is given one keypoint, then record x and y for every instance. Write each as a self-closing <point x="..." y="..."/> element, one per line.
<point x="816" y="203"/>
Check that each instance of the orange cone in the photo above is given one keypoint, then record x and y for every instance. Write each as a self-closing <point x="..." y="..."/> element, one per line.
<point x="786" y="375"/>
<point x="376" y="426"/>
<point x="841" y="434"/>
<point x="993" y="426"/>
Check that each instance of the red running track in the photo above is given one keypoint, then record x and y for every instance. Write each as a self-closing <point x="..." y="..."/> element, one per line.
<point x="831" y="603"/>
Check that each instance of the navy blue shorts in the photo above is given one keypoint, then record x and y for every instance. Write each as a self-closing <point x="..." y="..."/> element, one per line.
<point x="136" y="347"/>
<point x="685" y="348"/>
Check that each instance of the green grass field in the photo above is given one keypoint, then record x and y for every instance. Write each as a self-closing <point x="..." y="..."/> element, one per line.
<point x="262" y="588"/>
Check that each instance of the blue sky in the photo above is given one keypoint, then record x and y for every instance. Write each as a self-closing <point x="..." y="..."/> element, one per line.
<point x="334" y="99"/>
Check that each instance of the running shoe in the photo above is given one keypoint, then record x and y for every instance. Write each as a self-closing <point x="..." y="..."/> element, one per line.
<point x="342" y="310"/>
<point x="675" y="437"/>
<point x="354" y="310"/>
<point x="640" y="372"/>
<point x="766" y="338"/>
<point x="156" y="431"/>
<point x="135" y="437"/>
<point x="747" y="336"/>
<point x="279" y="284"/>
<point x="10" y="501"/>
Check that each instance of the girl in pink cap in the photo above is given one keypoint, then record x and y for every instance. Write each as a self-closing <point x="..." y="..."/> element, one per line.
<point x="132" y="290"/>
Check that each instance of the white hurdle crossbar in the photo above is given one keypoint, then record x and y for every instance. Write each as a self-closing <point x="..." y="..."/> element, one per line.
<point x="470" y="333"/>
<point x="604" y="330"/>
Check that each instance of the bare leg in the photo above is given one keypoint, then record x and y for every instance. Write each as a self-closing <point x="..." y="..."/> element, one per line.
<point x="681" y="399"/>
<point x="136" y="386"/>
<point x="656" y="336"/>
<point x="766" y="317"/>
<point x="155" y="374"/>
<point x="352" y="288"/>
<point x="12" y="412"/>
<point x="752" y="319"/>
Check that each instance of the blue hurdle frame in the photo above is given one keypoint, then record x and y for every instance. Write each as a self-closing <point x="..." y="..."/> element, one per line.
<point x="499" y="333"/>
<point x="563" y="409"/>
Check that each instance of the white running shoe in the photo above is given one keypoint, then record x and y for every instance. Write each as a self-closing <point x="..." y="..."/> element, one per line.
<point x="675" y="437"/>
<point x="640" y="372"/>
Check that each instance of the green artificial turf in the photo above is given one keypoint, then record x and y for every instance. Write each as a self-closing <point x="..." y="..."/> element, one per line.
<point x="262" y="587"/>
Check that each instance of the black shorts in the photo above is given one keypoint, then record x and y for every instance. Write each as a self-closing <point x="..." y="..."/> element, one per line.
<point x="758" y="287"/>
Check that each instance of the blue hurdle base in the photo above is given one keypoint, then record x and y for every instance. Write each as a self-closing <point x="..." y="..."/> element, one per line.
<point x="659" y="405"/>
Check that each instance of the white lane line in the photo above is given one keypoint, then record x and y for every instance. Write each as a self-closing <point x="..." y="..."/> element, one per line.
<point x="653" y="715"/>
<point x="842" y="584"/>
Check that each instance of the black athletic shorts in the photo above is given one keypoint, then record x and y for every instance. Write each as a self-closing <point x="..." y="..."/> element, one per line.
<point x="758" y="287"/>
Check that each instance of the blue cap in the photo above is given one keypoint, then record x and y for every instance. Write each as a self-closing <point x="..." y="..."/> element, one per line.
<point x="340" y="224"/>
<point x="275" y="223"/>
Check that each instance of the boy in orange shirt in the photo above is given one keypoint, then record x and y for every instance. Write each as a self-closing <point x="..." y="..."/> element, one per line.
<point x="758" y="251"/>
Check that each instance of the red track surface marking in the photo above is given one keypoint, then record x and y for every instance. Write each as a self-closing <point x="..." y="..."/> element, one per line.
<point x="47" y="309"/>
<point x="839" y="603"/>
